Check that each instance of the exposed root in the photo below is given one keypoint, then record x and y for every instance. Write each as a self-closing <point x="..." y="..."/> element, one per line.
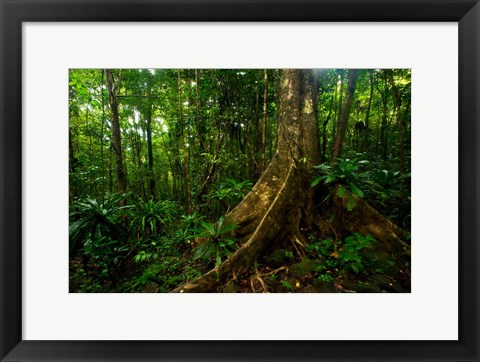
<point x="266" y="230"/>
<point x="279" y="213"/>
<point x="365" y="219"/>
<point x="300" y="252"/>
<point x="259" y="278"/>
<point x="252" y="285"/>
<point x="274" y="271"/>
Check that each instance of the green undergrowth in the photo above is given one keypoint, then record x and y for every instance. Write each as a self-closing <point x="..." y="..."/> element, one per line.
<point x="351" y="265"/>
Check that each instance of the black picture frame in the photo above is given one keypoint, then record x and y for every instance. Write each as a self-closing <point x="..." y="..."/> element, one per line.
<point x="14" y="13"/>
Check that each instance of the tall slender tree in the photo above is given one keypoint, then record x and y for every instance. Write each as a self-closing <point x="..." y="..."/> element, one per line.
<point x="116" y="143"/>
<point x="398" y="105"/>
<point x="344" y="114"/>
<point x="185" y="150"/>
<point x="366" y="133"/>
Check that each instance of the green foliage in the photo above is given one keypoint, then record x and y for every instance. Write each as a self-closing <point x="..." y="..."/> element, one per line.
<point x="349" y="254"/>
<point x="346" y="254"/>
<point x="219" y="243"/>
<point x="188" y="228"/>
<point x="230" y="192"/>
<point x="96" y="232"/>
<point x="385" y="191"/>
<point x="344" y="171"/>
<point x="164" y="275"/>
<point x="327" y="278"/>
<point x="346" y="174"/>
<point x="83" y="282"/>
<point x="95" y="227"/>
<point x="322" y="248"/>
<point x="385" y="178"/>
<point x="205" y="160"/>
<point x="286" y="284"/>
<point x="151" y="216"/>
<point x="192" y="220"/>
<point x="144" y="256"/>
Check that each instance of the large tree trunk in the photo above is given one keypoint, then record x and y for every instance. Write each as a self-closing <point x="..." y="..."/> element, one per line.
<point x="274" y="200"/>
<point x="282" y="200"/>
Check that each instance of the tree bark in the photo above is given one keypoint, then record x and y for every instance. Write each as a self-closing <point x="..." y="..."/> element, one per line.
<point x="116" y="135"/>
<point x="186" y="172"/>
<point x="200" y="126"/>
<point x="344" y="114"/>
<point x="151" y="176"/>
<point x="383" y="126"/>
<point x="263" y="127"/>
<point x="325" y="124"/>
<point x="400" y="125"/>
<point x="136" y="147"/>
<point x="338" y="110"/>
<point x="367" y="113"/>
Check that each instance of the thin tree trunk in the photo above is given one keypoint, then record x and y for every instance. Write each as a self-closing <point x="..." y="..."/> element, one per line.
<point x="344" y="114"/>
<point x="398" y="105"/>
<point x="186" y="173"/>
<point x="256" y="147"/>
<point x="383" y="126"/>
<point x="367" y="113"/>
<point x="151" y="176"/>
<point x="340" y="103"/>
<point x="102" y="137"/>
<point x="136" y="152"/>
<point x="116" y="135"/>
<point x="263" y="127"/>
<point x="71" y="153"/>
<point x="200" y="127"/>
<point x="110" y="169"/>
<point x="325" y="124"/>
<point x="72" y="163"/>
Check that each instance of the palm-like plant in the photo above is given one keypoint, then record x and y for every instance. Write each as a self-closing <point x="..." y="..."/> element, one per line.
<point x="95" y="226"/>
<point x="230" y="192"/>
<point x="189" y="225"/>
<point x="219" y="241"/>
<point x="151" y="217"/>
<point x="344" y="172"/>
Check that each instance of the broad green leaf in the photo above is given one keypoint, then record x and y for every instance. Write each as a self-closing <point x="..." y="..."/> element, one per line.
<point x="316" y="182"/>
<point x="330" y="178"/>
<point x="341" y="191"/>
<point x="351" y="203"/>
<point x="218" y="259"/>
<point x="356" y="190"/>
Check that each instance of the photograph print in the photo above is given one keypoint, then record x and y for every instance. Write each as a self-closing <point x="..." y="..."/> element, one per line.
<point x="239" y="180"/>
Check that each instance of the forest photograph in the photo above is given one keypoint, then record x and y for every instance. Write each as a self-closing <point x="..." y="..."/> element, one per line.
<point x="239" y="180"/>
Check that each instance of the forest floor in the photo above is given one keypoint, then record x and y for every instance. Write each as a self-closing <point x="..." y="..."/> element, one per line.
<point x="319" y="270"/>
